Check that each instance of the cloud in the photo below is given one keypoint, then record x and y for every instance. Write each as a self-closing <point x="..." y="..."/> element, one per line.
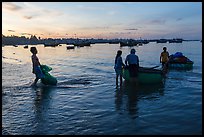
<point x="86" y="7"/>
<point x="123" y="33"/>
<point x="28" y="10"/>
<point x="11" y="30"/>
<point x="10" y="6"/>
<point x="112" y="13"/>
<point x="158" y="22"/>
<point x="131" y="29"/>
<point x="51" y="12"/>
<point x="95" y="27"/>
<point x="178" y="19"/>
<point x="26" y="34"/>
<point x="28" y="17"/>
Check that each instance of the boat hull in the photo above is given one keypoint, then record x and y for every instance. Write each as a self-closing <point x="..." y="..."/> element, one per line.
<point x="51" y="45"/>
<point x="145" y="76"/>
<point x="180" y="65"/>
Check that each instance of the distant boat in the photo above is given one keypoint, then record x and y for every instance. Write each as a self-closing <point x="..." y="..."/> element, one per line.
<point x="113" y="42"/>
<point x="123" y="44"/>
<point x="140" y="44"/>
<point x="82" y="44"/>
<point x="78" y="45"/>
<point x="25" y="47"/>
<point x="50" y="44"/>
<point x="70" y="47"/>
<point x="161" y="41"/>
<point x="145" y="41"/>
<point x="176" y="41"/>
<point x="87" y="44"/>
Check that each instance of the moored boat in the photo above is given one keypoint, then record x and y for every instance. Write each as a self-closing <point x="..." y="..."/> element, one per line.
<point x="123" y="44"/>
<point x="70" y="47"/>
<point x="25" y="47"/>
<point x="161" y="41"/>
<point x="179" y="61"/>
<point x="50" y="44"/>
<point x="178" y="40"/>
<point x="145" y="75"/>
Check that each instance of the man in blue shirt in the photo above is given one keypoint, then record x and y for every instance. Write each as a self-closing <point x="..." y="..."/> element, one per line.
<point x="133" y="63"/>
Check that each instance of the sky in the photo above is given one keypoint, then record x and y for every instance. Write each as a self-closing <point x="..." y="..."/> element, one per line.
<point x="108" y="20"/>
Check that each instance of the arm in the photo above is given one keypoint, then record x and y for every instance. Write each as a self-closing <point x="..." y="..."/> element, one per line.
<point x="33" y="64"/>
<point x="138" y="61"/>
<point x="160" y="58"/>
<point x="37" y="61"/>
<point x="122" y="63"/>
<point x="168" y="56"/>
<point x="33" y="69"/>
<point x="126" y="60"/>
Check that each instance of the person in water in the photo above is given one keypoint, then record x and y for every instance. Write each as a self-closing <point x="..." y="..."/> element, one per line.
<point x="133" y="62"/>
<point x="118" y="67"/>
<point x="164" y="57"/>
<point x="36" y="66"/>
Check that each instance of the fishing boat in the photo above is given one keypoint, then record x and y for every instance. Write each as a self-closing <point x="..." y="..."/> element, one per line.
<point x="178" y="40"/>
<point x="50" y="44"/>
<point x="179" y="61"/>
<point x="145" y="75"/>
<point x="15" y="45"/>
<point x="70" y="47"/>
<point x="140" y="44"/>
<point x="81" y="44"/>
<point x="161" y="41"/>
<point x="129" y="44"/>
<point x="25" y="47"/>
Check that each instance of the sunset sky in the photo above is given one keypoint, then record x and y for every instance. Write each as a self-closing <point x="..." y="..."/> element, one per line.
<point x="146" y="20"/>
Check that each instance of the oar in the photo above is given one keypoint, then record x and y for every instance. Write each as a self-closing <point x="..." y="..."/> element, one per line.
<point x="149" y="68"/>
<point x="154" y="67"/>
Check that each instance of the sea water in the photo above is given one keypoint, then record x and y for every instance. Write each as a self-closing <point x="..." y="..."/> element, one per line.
<point x="86" y="100"/>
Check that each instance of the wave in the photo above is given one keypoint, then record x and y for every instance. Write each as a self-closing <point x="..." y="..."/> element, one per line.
<point x="11" y="59"/>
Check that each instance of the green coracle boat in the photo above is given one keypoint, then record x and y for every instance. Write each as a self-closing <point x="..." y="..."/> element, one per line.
<point x="145" y="75"/>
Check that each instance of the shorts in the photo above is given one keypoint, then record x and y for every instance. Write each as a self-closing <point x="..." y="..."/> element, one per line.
<point x="165" y="63"/>
<point x="133" y="70"/>
<point x="38" y="72"/>
<point x="118" y="71"/>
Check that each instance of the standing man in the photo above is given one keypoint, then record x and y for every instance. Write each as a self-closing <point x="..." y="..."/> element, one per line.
<point x="164" y="58"/>
<point x="133" y="62"/>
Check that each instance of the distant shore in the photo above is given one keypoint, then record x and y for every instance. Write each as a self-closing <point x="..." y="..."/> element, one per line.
<point x="33" y="40"/>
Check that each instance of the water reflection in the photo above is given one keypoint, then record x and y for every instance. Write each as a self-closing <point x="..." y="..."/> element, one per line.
<point x="41" y="106"/>
<point x="128" y="96"/>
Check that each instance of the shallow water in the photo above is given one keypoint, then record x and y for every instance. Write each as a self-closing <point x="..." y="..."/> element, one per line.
<point x="86" y="101"/>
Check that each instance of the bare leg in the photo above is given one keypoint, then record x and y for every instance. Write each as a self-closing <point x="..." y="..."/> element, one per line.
<point x="117" y="80"/>
<point x="165" y="68"/>
<point x="35" y="81"/>
<point x="121" y="80"/>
